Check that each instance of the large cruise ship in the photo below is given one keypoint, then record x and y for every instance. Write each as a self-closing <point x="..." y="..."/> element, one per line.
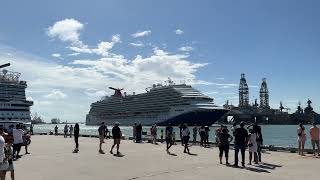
<point x="161" y="105"/>
<point x="13" y="103"/>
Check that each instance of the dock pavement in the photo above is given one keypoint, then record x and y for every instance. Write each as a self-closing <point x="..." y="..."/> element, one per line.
<point x="51" y="158"/>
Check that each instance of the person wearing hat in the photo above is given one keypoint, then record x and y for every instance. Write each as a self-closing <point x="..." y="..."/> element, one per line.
<point x="240" y="142"/>
<point x="116" y="135"/>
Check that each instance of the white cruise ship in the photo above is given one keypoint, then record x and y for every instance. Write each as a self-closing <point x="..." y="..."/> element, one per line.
<point x="160" y="105"/>
<point x="13" y="103"/>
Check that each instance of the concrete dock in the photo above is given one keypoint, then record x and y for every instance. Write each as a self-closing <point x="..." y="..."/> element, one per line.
<point x="51" y="158"/>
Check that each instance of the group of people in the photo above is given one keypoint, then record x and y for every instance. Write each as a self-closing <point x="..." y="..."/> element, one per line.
<point x="242" y="139"/>
<point x="116" y="135"/>
<point x="11" y="142"/>
<point x="314" y="136"/>
<point x="67" y="131"/>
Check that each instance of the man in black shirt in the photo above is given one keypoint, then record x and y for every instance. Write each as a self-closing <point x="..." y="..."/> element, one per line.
<point x="116" y="135"/>
<point x="241" y="139"/>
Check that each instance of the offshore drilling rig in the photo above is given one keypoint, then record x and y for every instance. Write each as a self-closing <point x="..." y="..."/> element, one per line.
<point x="263" y="113"/>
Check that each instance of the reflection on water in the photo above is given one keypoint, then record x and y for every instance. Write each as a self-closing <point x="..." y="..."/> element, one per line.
<point x="279" y="135"/>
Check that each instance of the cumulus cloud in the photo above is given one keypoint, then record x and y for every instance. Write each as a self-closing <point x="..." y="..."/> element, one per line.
<point x="186" y="48"/>
<point x="67" y="30"/>
<point x="178" y="31"/>
<point x="138" y="44"/>
<point x="141" y="34"/>
<point x="56" y="55"/>
<point x="56" y="94"/>
<point x="52" y="82"/>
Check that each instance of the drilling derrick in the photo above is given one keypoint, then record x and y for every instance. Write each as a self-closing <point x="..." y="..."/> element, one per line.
<point x="264" y="95"/>
<point x="243" y="92"/>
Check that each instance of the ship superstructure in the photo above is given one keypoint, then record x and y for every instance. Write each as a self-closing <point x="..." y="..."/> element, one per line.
<point x="13" y="103"/>
<point x="160" y="105"/>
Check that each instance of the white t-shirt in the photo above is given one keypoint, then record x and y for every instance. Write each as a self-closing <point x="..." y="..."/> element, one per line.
<point x="2" y="143"/>
<point x="17" y="136"/>
<point x="185" y="132"/>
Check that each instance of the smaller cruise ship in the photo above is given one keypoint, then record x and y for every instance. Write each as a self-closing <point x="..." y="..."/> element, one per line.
<point x="13" y="103"/>
<point x="161" y="105"/>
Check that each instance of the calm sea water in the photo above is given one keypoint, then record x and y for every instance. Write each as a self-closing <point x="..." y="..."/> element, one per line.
<point x="279" y="135"/>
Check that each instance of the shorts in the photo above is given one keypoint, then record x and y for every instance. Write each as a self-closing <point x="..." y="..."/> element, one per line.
<point x="169" y="139"/>
<point x="315" y="142"/>
<point x="225" y="149"/>
<point x="101" y="137"/>
<point x="185" y="139"/>
<point x="4" y="166"/>
<point x="116" y="141"/>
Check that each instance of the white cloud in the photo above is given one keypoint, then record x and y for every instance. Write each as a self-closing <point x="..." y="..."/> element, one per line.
<point x="51" y="81"/>
<point x="56" y="55"/>
<point x="137" y="44"/>
<point x="56" y="94"/>
<point x="67" y="30"/>
<point x="73" y="54"/>
<point x="116" y="38"/>
<point x="141" y="34"/>
<point x="186" y="48"/>
<point x="178" y="32"/>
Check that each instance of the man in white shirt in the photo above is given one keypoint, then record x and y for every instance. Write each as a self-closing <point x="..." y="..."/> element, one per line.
<point x="17" y="140"/>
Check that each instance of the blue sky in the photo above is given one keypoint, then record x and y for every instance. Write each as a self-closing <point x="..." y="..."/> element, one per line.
<point x="71" y="51"/>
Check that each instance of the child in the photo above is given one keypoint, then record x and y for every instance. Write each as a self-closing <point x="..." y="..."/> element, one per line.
<point x="9" y="156"/>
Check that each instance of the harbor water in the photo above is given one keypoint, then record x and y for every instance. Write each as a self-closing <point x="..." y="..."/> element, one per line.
<point x="278" y="135"/>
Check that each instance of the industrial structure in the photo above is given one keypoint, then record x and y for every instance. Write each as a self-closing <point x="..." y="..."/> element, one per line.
<point x="262" y="113"/>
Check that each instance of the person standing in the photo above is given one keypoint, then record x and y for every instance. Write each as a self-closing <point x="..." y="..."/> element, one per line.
<point x="101" y="131"/>
<point x="116" y="135"/>
<point x="139" y="132"/>
<point x="4" y="162"/>
<point x="253" y="147"/>
<point x="181" y="129"/>
<point x="314" y="136"/>
<point x="76" y="137"/>
<point x="154" y="134"/>
<point x="195" y="134"/>
<point x="65" y="130"/>
<point x="224" y="140"/>
<point x="301" y="139"/>
<point x="202" y="133"/>
<point x="56" y="130"/>
<point x="207" y="130"/>
<point x="17" y="140"/>
<point x="258" y="131"/>
<point x="241" y="139"/>
<point x="161" y="135"/>
<point x="169" y="132"/>
<point x="185" y="138"/>
<point x="71" y="131"/>
<point x="9" y="157"/>
<point x="31" y="129"/>
<point x="134" y="132"/>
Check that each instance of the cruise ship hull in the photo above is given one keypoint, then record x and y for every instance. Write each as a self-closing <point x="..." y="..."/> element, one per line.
<point x="199" y="118"/>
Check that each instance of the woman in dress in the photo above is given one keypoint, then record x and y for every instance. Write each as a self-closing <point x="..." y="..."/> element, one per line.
<point x="301" y="139"/>
<point x="253" y="146"/>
